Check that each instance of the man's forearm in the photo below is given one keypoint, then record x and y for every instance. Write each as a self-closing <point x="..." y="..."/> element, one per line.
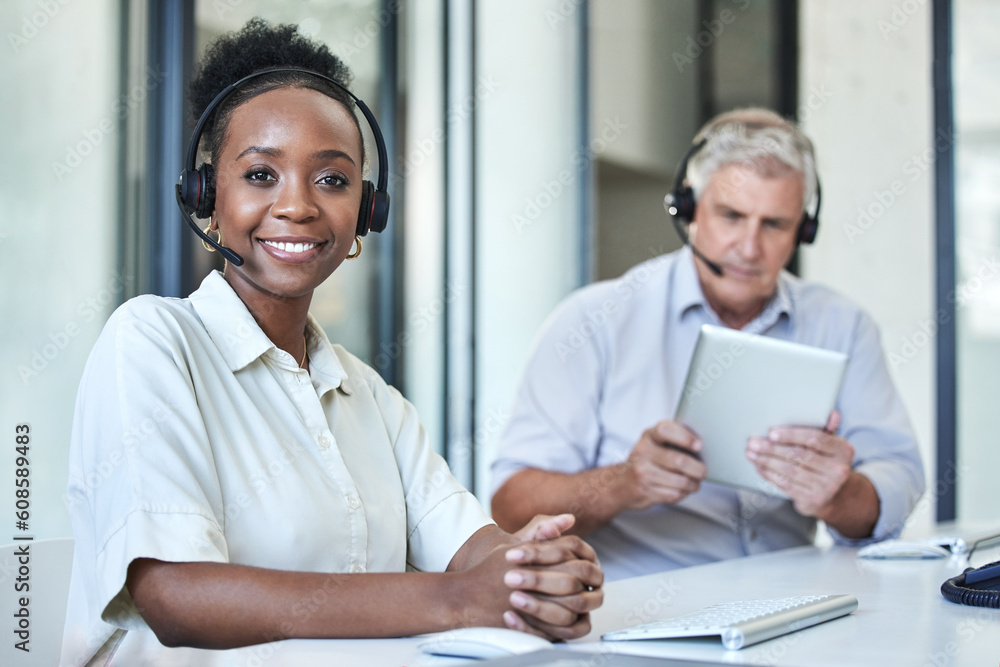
<point x="854" y="511"/>
<point x="595" y="497"/>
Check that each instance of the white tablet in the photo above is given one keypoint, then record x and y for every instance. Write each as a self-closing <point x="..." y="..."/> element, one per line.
<point x="740" y="385"/>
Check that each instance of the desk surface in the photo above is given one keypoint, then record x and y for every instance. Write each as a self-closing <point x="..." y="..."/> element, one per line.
<point x="902" y="619"/>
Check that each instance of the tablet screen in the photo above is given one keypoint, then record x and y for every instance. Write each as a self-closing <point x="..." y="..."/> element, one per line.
<point x="741" y="385"/>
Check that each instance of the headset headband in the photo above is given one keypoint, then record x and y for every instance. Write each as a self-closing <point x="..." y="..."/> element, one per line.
<point x="195" y="192"/>
<point x="680" y="201"/>
<point x="192" y="151"/>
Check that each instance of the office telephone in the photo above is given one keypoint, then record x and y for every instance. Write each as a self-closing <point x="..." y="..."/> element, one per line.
<point x="977" y="587"/>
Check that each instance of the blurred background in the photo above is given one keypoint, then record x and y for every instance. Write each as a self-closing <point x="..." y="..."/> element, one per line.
<point x="530" y="145"/>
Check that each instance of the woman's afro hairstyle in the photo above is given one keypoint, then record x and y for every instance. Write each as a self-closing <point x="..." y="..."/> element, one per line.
<point x="258" y="46"/>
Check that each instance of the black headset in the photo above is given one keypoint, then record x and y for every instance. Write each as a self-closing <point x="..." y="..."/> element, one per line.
<point x="195" y="190"/>
<point x="680" y="203"/>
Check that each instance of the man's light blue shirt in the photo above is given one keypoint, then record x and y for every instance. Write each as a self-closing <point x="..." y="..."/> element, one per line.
<point x="611" y="362"/>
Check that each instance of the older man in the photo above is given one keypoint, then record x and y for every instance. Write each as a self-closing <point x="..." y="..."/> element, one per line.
<point x="592" y="434"/>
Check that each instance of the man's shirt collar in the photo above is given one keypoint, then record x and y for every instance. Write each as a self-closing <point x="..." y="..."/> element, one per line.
<point x="687" y="296"/>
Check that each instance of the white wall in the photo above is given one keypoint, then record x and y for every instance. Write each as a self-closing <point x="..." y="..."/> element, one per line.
<point x="526" y="257"/>
<point x="866" y="96"/>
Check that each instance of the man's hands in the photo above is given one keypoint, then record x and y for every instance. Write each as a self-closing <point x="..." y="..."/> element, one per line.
<point x="545" y="527"/>
<point x="813" y="466"/>
<point x="810" y="465"/>
<point x="664" y="466"/>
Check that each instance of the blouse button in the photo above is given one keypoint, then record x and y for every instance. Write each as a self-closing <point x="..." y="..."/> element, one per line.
<point x="353" y="502"/>
<point x="324" y="441"/>
<point x="356" y="569"/>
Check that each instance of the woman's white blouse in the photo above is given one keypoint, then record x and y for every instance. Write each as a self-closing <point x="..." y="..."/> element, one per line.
<point x="196" y="439"/>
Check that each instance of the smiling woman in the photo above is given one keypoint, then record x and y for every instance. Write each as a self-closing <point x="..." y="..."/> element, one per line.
<point x="280" y="465"/>
<point x="287" y="200"/>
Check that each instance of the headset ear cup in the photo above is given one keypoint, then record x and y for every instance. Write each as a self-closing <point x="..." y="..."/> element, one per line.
<point x="189" y="188"/>
<point x="365" y="210"/>
<point x="684" y="202"/>
<point x="808" y="228"/>
<point x="380" y="211"/>
<point x="206" y="192"/>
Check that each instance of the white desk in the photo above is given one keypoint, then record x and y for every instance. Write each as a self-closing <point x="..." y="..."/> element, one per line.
<point x="902" y="619"/>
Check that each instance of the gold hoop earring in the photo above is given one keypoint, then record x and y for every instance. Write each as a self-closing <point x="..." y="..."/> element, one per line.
<point x="355" y="255"/>
<point x="208" y="231"/>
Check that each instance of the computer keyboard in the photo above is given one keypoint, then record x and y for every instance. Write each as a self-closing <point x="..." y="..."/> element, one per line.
<point x="745" y="622"/>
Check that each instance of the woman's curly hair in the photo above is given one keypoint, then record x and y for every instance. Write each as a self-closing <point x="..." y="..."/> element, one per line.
<point x="259" y="46"/>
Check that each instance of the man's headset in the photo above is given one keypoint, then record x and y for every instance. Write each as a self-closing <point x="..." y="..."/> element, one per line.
<point x="195" y="190"/>
<point x="680" y="202"/>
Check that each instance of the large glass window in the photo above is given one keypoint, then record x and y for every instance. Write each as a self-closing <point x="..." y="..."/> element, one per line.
<point x="658" y="71"/>
<point x="61" y="126"/>
<point x="977" y="248"/>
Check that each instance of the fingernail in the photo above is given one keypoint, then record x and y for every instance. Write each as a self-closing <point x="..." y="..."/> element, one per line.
<point x="773" y="435"/>
<point x="513" y="578"/>
<point x="510" y="618"/>
<point x="519" y="599"/>
<point x="515" y="554"/>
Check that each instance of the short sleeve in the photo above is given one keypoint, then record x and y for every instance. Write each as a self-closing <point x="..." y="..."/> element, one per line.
<point x="142" y="470"/>
<point x="441" y="514"/>
<point x="555" y="422"/>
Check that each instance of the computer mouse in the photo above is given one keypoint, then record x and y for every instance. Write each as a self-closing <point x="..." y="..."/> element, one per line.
<point x="902" y="549"/>
<point x="482" y="643"/>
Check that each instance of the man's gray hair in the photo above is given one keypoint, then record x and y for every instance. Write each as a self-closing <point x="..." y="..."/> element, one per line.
<point x="761" y="140"/>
